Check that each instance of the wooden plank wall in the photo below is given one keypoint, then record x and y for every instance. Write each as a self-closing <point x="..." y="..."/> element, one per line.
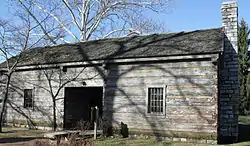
<point x="191" y="96"/>
<point x="35" y="79"/>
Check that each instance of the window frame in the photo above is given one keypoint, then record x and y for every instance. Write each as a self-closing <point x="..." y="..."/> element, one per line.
<point x="164" y="100"/>
<point x="32" y="99"/>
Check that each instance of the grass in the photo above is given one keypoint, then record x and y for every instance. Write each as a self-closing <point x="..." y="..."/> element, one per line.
<point x="20" y="135"/>
<point x="244" y="120"/>
<point x="9" y="132"/>
<point x="241" y="144"/>
<point x="138" y="142"/>
<point x="150" y="142"/>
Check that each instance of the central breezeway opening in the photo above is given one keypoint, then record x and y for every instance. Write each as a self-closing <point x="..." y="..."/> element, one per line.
<point x="78" y="102"/>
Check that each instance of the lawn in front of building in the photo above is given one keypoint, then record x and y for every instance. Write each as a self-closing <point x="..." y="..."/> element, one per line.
<point x="22" y="136"/>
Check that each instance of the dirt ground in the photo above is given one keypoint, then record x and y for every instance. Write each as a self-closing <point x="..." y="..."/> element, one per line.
<point x="18" y="142"/>
<point x="27" y="137"/>
<point x="20" y="136"/>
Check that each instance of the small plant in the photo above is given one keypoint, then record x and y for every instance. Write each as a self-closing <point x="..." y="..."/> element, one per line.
<point x="124" y="130"/>
<point x="72" y="139"/>
<point x="83" y="125"/>
<point x="42" y="143"/>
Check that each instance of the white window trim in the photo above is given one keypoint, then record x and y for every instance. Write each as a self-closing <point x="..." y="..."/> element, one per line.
<point x="164" y="100"/>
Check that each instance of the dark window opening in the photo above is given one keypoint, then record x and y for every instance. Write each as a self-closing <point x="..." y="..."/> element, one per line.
<point x="156" y="100"/>
<point x="28" y="98"/>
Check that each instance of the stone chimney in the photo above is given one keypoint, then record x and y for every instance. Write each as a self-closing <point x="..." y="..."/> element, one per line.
<point x="228" y="77"/>
<point x="230" y="22"/>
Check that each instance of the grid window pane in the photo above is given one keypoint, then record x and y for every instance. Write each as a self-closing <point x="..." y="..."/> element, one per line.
<point x="155" y="100"/>
<point x="28" y="98"/>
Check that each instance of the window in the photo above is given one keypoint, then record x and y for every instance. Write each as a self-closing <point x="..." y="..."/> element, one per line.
<point x="156" y="100"/>
<point x="28" y="98"/>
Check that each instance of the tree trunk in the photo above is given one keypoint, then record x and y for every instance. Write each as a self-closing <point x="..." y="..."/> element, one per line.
<point x="4" y="101"/>
<point x="245" y="94"/>
<point x="54" y="115"/>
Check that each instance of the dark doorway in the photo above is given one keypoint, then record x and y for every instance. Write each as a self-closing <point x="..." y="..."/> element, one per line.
<point x="78" y="102"/>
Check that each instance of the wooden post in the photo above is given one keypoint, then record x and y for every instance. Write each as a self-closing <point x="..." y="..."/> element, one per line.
<point x="92" y="115"/>
<point x="95" y="123"/>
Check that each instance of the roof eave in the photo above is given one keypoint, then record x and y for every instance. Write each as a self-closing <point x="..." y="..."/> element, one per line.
<point x="198" y="57"/>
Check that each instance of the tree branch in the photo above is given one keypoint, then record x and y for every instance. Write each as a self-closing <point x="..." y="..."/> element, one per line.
<point x="43" y="29"/>
<point x="72" y="14"/>
<point x="57" y="19"/>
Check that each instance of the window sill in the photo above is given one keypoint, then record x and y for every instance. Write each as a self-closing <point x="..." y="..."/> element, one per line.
<point x="162" y="116"/>
<point x="29" y="108"/>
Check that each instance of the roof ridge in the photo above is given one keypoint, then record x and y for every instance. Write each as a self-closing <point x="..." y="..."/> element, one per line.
<point x="123" y="37"/>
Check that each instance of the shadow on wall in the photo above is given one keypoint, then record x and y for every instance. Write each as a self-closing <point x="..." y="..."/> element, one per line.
<point x="205" y="121"/>
<point x="156" y="125"/>
<point x="27" y="116"/>
<point x="228" y="95"/>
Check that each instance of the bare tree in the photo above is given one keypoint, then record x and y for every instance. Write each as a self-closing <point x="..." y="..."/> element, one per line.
<point x="14" y="41"/>
<point x="7" y="49"/>
<point x="53" y="80"/>
<point x="57" y="79"/>
<point x="82" y="20"/>
<point x="50" y="22"/>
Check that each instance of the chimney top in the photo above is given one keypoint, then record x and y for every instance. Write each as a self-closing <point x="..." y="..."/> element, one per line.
<point x="230" y="21"/>
<point x="229" y="4"/>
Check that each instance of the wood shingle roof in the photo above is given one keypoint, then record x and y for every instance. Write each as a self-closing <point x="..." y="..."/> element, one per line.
<point x="155" y="45"/>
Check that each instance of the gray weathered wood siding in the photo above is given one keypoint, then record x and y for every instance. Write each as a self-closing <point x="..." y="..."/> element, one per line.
<point x="35" y="79"/>
<point x="191" y="96"/>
